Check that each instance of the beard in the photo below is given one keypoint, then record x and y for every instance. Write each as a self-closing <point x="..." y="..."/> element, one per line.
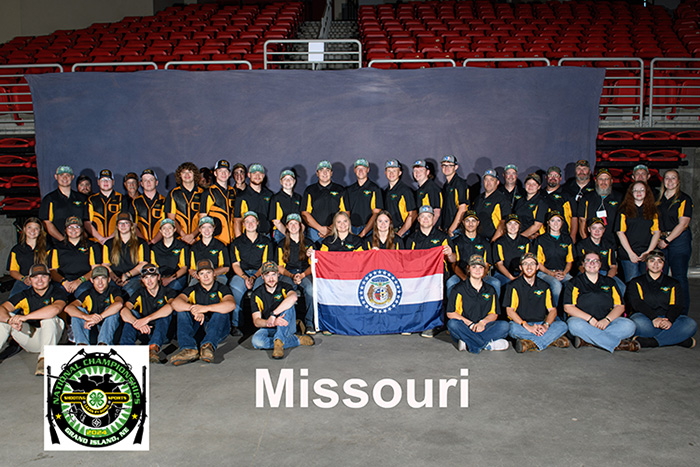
<point x="603" y="192"/>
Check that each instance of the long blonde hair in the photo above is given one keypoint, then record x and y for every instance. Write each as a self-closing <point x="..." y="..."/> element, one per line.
<point x="40" y="251"/>
<point x="115" y="255"/>
<point x="334" y="232"/>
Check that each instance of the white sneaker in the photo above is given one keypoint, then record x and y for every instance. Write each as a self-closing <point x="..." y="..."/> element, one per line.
<point x="498" y="344"/>
<point x="461" y="346"/>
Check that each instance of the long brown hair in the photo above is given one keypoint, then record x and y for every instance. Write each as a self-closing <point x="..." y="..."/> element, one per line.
<point x="376" y="241"/>
<point x="115" y="255"/>
<point x="663" y="192"/>
<point x="629" y="209"/>
<point x="40" y="251"/>
<point x="287" y="244"/>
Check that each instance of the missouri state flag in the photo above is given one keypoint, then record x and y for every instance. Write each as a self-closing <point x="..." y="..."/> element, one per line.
<point x="378" y="291"/>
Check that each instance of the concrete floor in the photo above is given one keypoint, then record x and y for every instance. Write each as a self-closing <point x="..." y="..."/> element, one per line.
<point x="574" y="407"/>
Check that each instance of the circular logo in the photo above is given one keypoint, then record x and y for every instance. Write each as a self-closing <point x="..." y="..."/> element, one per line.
<point x="96" y="400"/>
<point x="380" y="291"/>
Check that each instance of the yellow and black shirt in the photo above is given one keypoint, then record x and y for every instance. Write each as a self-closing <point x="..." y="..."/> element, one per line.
<point x="454" y="194"/>
<point x="170" y="258"/>
<point x="125" y="262"/>
<point x="56" y="208"/>
<point x="605" y="249"/>
<point x="185" y="206"/>
<point x="531" y="302"/>
<point x="429" y="194"/>
<point x="491" y="210"/>
<point x="560" y="201"/>
<point x="281" y="205"/>
<point x="509" y="251"/>
<point x="148" y="212"/>
<point x="361" y="201"/>
<point x="21" y="258"/>
<point x="265" y="302"/>
<point x="399" y="201"/>
<point x="72" y="261"/>
<point x="473" y="304"/>
<point x="593" y="205"/>
<point x="252" y="254"/>
<point x="219" y="203"/>
<point x="670" y="210"/>
<point x="259" y="203"/>
<point x="323" y="202"/>
<point x="146" y="304"/>
<point x="351" y="243"/>
<point x="638" y="230"/>
<point x="655" y="298"/>
<point x="595" y="299"/>
<point x="554" y="252"/>
<point x="103" y="211"/>
<point x="29" y="301"/>
<point x="198" y="295"/>
<point x="465" y="247"/>
<point x="95" y="302"/>
<point x="530" y="211"/>
<point x="215" y="251"/>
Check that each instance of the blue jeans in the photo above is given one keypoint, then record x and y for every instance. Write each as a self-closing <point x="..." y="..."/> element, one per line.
<point x="132" y="285"/>
<point x="307" y="286"/>
<point x="216" y="328"/>
<point x="501" y="278"/>
<point x="313" y="235"/>
<point x="277" y="236"/>
<point x="608" y="339"/>
<point x="239" y="289"/>
<point x="557" y="329"/>
<point x="264" y="338"/>
<point x="455" y="279"/>
<point x="682" y="329"/>
<point x="106" y="329"/>
<point x="632" y="270"/>
<point x="18" y="287"/>
<point x="178" y="285"/>
<point x="677" y="260"/>
<point x="555" y="285"/>
<point x="159" y="331"/>
<point x="476" y="341"/>
<point x="621" y="285"/>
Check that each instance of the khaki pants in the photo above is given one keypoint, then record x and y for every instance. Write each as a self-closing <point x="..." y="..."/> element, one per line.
<point x="31" y="338"/>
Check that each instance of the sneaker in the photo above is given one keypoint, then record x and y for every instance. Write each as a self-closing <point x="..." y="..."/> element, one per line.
<point x="306" y="340"/>
<point x="278" y="351"/>
<point x="327" y="333"/>
<point x="39" y="367"/>
<point x="428" y="333"/>
<point x="525" y="345"/>
<point x="12" y="348"/>
<point x="206" y="353"/>
<point x="235" y="332"/>
<point x="628" y="345"/>
<point x="405" y="333"/>
<point x="647" y="341"/>
<point x="153" y="356"/>
<point x="184" y="356"/>
<point x="498" y="344"/>
<point x="562" y="343"/>
<point x="578" y="343"/>
<point x="689" y="343"/>
<point x="310" y="331"/>
<point x="461" y="345"/>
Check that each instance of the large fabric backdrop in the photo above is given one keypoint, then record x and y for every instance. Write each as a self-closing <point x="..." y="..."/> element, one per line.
<point x="533" y="117"/>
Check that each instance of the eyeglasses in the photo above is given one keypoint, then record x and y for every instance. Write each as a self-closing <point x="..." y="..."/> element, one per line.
<point x="591" y="261"/>
<point x="639" y="191"/>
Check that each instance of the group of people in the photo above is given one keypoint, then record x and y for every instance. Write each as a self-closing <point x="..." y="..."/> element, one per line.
<point x="123" y="263"/>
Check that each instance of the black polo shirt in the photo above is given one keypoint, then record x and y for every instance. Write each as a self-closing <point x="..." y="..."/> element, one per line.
<point x="419" y="241"/>
<point x="185" y="206"/>
<point x="198" y="295"/>
<point x="259" y="203"/>
<point x="638" y="230"/>
<point x="252" y="254"/>
<point x="293" y="264"/>
<point x="454" y="194"/>
<point x="655" y="298"/>
<point x="362" y="200"/>
<point x="473" y="304"/>
<point x="148" y="212"/>
<point x="672" y="209"/>
<point x="399" y="201"/>
<point x="595" y="299"/>
<point x="491" y="210"/>
<point x="509" y="251"/>
<point x="530" y="211"/>
<point x="465" y="247"/>
<point x="429" y="194"/>
<point x="146" y="304"/>
<point x="95" y="302"/>
<point x="531" y="302"/>
<point x="219" y="203"/>
<point x="265" y="303"/>
<point x="72" y="261"/>
<point x="560" y="201"/>
<point x="553" y="252"/>
<point x="215" y="251"/>
<point x="170" y="259"/>
<point x="125" y="263"/>
<point x="575" y="192"/>
<point x="323" y="202"/>
<point x="56" y="208"/>
<point x="592" y="205"/>
<point x="397" y="245"/>
<point x="513" y="196"/>
<point x="606" y="250"/>
<point x="103" y="211"/>
<point x="282" y="204"/>
<point x="29" y="301"/>
<point x="21" y="258"/>
<point x="351" y="243"/>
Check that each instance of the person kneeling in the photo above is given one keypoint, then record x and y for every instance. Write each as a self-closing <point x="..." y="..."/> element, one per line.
<point x="148" y="312"/>
<point x="275" y="315"/>
<point x="208" y="305"/>
<point x="533" y="315"/>
<point x="656" y="307"/>
<point x="96" y="308"/>
<point x="472" y="311"/>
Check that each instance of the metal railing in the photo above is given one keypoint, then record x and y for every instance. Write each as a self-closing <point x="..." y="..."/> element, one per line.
<point x="496" y="61"/>
<point x="674" y="92"/>
<point x="319" y="54"/>
<point x="326" y="21"/>
<point x="206" y="64"/>
<point x="400" y="61"/>
<point x="15" y="97"/>
<point x="125" y="66"/>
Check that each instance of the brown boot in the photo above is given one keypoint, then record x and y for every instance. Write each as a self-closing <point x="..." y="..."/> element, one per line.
<point x="278" y="351"/>
<point x="578" y="342"/>
<point x="206" y="353"/>
<point x="628" y="345"/>
<point x="39" y="367"/>
<point x="306" y="340"/>
<point x="184" y="356"/>
<point x="153" y="356"/>
<point x="525" y="345"/>
<point x="562" y="342"/>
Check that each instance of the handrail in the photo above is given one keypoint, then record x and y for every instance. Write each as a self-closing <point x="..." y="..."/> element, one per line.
<point x="267" y="52"/>
<point x="208" y="62"/>
<point x="108" y="64"/>
<point x="412" y="60"/>
<point x="514" y="59"/>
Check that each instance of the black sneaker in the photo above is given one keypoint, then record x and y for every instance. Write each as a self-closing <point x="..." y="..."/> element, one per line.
<point x="235" y="332"/>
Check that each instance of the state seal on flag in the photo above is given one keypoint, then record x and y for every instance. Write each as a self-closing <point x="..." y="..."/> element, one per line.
<point x="379" y="291"/>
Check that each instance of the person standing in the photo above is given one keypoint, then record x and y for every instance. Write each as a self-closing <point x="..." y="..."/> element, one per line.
<point x="399" y="199"/>
<point x="61" y="204"/>
<point x="363" y="199"/>
<point x="183" y="203"/>
<point x="149" y="208"/>
<point x="104" y="207"/>
<point x="219" y="202"/>
<point x="455" y="196"/>
<point x="320" y="202"/>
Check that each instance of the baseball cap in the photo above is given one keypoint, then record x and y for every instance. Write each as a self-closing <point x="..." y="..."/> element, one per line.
<point x="38" y="269"/>
<point x="656" y="253"/>
<point x="149" y="269"/>
<point x="596" y="220"/>
<point x="131" y="176"/>
<point x="554" y="168"/>
<point x="105" y="173"/>
<point x="256" y="168"/>
<point x="73" y="220"/>
<point x="490" y="173"/>
<point x="324" y="165"/>
<point x="420" y="163"/>
<point x="269" y="266"/>
<point x="510" y="166"/>
<point x="64" y="169"/>
<point x="424" y="209"/>
<point x="223" y="164"/>
<point x="167" y="220"/>
<point x="289" y="173"/>
<point x="476" y="260"/>
<point x="206" y="220"/>
<point x="535" y="177"/>
<point x="553" y="214"/>
<point x="448" y="159"/>
<point x="601" y="172"/>
<point x="250" y="213"/>
<point x="528" y="255"/>
<point x="149" y="172"/>
<point x="239" y="165"/>
<point x="204" y="264"/>
<point x="124" y="216"/>
<point x="582" y="163"/>
<point x="469" y="214"/>
<point x="640" y="167"/>
<point x="513" y="217"/>
<point x="361" y="161"/>
<point x="392" y="163"/>
<point x="100" y="271"/>
<point x="293" y="217"/>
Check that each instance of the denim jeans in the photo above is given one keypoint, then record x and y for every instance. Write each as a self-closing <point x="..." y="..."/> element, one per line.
<point x="557" y="329"/>
<point x="313" y="235"/>
<point x="476" y="341"/>
<point x="178" y="285"/>
<point x="159" y="331"/>
<point x="677" y="260"/>
<point x="18" y="287"/>
<point x="682" y="329"/>
<point x="239" y="289"/>
<point x="264" y="338"/>
<point x="632" y="270"/>
<point x="107" y="327"/>
<point x="555" y="285"/>
<point x="621" y="285"/>
<point x="609" y="338"/>
<point x="132" y="285"/>
<point x="216" y="327"/>
<point x="307" y="286"/>
<point x="455" y="279"/>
